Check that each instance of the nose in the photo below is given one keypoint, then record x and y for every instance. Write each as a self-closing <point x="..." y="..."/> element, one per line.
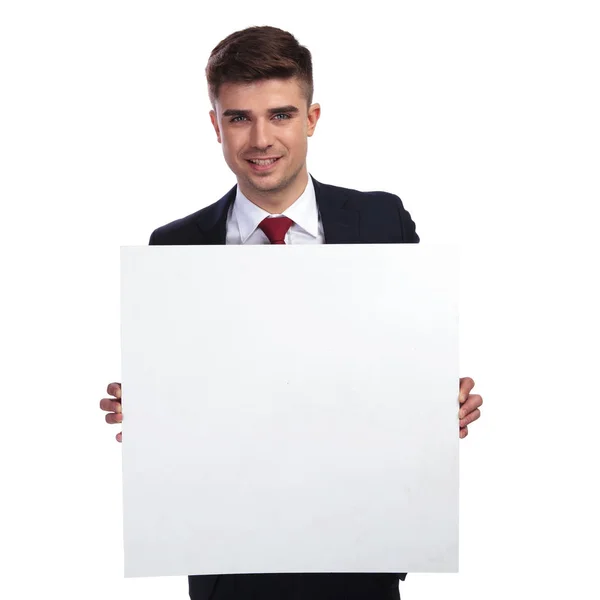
<point x="260" y="136"/>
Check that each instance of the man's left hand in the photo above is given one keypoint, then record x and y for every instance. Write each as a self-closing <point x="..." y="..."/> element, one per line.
<point x="469" y="406"/>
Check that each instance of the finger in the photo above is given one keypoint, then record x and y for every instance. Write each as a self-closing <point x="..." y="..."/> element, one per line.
<point x="466" y="385"/>
<point x="114" y="389"/>
<point x="473" y="416"/>
<point x="113" y="418"/>
<point x="119" y="436"/>
<point x="111" y="405"/>
<point x="473" y="401"/>
<point x="463" y="432"/>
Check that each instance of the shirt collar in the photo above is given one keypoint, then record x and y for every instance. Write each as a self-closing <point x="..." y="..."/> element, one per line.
<point x="303" y="212"/>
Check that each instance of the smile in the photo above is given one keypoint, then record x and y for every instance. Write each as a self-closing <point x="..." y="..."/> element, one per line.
<point x="263" y="165"/>
<point x="263" y="162"/>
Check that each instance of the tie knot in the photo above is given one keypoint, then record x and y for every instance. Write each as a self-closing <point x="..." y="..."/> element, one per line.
<point x="275" y="228"/>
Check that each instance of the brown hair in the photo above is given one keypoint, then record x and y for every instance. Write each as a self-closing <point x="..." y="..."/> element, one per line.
<point x="258" y="53"/>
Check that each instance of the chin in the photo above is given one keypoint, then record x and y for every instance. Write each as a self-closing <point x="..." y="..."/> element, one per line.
<point x="268" y="187"/>
<point x="267" y="183"/>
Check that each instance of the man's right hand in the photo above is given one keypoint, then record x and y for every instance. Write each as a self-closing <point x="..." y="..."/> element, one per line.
<point x="113" y="405"/>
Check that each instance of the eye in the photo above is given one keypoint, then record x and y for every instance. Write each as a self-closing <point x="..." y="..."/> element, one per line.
<point x="235" y="119"/>
<point x="284" y="116"/>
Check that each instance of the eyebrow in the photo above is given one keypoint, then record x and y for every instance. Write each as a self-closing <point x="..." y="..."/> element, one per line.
<point x="236" y="112"/>
<point x="283" y="109"/>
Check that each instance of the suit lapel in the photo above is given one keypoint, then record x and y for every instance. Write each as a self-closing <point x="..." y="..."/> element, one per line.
<point x="213" y="224"/>
<point x="340" y="222"/>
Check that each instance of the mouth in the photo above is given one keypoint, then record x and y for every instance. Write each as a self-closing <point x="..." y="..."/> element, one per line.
<point x="262" y="164"/>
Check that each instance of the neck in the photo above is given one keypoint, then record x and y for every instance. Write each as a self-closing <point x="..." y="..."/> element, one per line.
<point x="278" y="200"/>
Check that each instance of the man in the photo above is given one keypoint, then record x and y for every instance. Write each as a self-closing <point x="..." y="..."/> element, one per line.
<point x="260" y="87"/>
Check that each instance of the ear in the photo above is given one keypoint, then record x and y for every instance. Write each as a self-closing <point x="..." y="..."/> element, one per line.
<point x="314" y="112"/>
<point x="215" y="124"/>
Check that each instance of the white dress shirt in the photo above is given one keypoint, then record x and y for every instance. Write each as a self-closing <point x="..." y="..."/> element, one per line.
<point x="244" y="218"/>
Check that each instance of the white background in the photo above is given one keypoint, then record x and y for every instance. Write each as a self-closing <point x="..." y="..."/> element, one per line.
<point x="483" y="117"/>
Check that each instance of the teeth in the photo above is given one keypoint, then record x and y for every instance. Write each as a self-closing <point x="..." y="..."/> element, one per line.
<point x="263" y="163"/>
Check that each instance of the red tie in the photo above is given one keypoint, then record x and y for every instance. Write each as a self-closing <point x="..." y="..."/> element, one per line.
<point x="275" y="228"/>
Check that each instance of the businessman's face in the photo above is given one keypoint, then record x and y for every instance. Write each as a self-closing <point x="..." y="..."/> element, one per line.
<point x="263" y="127"/>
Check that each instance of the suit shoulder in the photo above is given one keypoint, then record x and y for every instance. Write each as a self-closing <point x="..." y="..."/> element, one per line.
<point x="187" y="229"/>
<point x="364" y="198"/>
<point x="381" y="213"/>
<point x="175" y="228"/>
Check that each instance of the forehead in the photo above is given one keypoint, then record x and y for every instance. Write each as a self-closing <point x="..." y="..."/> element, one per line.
<point x="258" y="96"/>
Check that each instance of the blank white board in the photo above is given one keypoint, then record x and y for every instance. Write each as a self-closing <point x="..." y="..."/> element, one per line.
<point x="290" y="409"/>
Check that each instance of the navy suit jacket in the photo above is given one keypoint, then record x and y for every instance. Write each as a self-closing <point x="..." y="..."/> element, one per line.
<point x="348" y="217"/>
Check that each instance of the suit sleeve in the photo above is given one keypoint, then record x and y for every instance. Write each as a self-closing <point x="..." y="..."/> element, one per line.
<point x="409" y="230"/>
